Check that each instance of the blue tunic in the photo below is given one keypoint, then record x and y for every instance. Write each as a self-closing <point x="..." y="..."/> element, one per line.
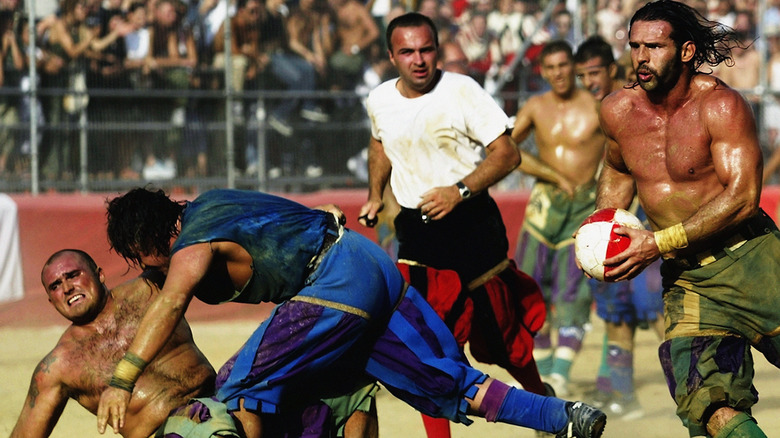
<point x="281" y="236"/>
<point x="337" y="326"/>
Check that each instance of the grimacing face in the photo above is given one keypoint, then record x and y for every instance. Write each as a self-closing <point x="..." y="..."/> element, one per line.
<point x="74" y="289"/>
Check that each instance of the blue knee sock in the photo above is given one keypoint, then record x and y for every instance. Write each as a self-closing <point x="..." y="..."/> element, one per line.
<point x="621" y="365"/>
<point x="569" y="344"/>
<point x="543" y="354"/>
<point x="603" y="383"/>
<point x="603" y="366"/>
<point x="505" y="404"/>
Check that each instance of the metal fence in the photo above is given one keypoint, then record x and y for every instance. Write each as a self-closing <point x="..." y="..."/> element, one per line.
<point x="76" y="138"/>
<point x="192" y="139"/>
<point x="200" y="140"/>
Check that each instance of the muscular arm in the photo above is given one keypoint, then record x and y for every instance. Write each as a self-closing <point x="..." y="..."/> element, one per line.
<point x="379" y="168"/>
<point x="737" y="160"/>
<point x="187" y="268"/>
<point x="524" y="122"/>
<point x="502" y="157"/>
<point x="732" y="198"/>
<point x="616" y="186"/>
<point x="616" y="189"/>
<point x="46" y="399"/>
<point x="530" y="164"/>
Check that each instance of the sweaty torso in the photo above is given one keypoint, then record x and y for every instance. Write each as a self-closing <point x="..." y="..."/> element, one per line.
<point x="568" y="135"/>
<point x="348" y="26"/>
<point x="89" y="356"/>
<point x="667" y="152"/>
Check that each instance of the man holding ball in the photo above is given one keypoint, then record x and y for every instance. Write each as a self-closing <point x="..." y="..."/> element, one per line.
<point x="686" y="144"/>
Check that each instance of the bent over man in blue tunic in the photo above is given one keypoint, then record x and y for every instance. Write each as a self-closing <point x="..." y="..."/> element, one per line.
<point x="344" y="315"/>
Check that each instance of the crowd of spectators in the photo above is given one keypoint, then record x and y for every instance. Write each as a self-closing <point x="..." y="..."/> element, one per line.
<point x="136" y="48"/>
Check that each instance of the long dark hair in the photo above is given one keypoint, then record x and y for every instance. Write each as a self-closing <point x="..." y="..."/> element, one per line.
<point x="713" y="40"/>
<point x="142" y="221"/>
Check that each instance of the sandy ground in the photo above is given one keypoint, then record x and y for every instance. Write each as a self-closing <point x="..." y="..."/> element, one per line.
<point x="22" y="348"/>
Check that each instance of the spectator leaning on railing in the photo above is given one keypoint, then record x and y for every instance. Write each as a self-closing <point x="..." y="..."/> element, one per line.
<point x="12" y="68"/>
<point x="311" y="37"/>
<point x="67" y="42"/>
<point x="173" y="57"/>
<point x="287" y="67"/>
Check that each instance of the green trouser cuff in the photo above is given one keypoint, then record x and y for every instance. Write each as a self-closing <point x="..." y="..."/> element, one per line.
<point x="741" y="426"/>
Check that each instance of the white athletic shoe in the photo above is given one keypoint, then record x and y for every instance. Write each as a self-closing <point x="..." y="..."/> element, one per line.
<point x="560" y="384"/>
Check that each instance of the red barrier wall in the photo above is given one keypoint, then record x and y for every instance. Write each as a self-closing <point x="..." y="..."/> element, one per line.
<point x="51" y="222"/>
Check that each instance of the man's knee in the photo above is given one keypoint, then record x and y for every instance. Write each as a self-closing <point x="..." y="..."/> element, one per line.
<point x="727" y="422"/>
<point x="708" y="375"/>
<point x="362" y="424"/>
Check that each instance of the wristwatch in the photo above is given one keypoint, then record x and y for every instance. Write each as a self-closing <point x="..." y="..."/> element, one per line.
<point x="465" y="192"/>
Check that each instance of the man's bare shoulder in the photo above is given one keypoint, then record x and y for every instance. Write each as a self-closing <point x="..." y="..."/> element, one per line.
<point x="51" y="369"/>
<point x="352" y="6"/>
<point x="621" y="102"/>
<point x="586" y="100"/>
<point x="142" y="287"/>
<point x="535" y="104"/>
<point x="65" y="364"/>
<point x="715" y="94"/>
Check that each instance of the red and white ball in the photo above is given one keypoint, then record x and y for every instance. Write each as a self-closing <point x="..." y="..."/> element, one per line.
<point x="596" y="239"/>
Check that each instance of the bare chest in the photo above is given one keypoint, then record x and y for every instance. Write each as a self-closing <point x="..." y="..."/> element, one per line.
<point x="94" y="364"/>
<point x="656" y="147"/>
<point x="566" y="125"/>
<point x="98" y="353"/>
<point x="347" y="20"/>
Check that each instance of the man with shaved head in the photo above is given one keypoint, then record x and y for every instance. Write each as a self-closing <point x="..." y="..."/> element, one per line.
<point x="103" y="324"/>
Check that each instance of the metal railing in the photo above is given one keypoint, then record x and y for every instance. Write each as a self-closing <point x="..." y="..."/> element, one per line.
<point x="108" y="145"/>
<point x="209" y="137"/>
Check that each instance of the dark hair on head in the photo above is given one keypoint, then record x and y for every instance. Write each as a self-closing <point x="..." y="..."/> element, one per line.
<point x="713" y="40"/>
<point x="555" y="47"/>
<point x="410" y="19"/>
<point x="69" y="6"/>
<point x="562" y="11"/>
<point x="134" y="6"/>
<point x="141" y="222"/>
<point x="93" y="267"/>
<point x="595" y="47"/>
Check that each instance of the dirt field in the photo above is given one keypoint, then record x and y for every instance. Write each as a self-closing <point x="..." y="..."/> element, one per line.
<point x="28" y="328"/>
<point x="22" y="348"/>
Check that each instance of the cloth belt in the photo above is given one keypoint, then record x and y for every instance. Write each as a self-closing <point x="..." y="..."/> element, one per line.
<point x="756" y="226"/>
<point x="333" y="233"/>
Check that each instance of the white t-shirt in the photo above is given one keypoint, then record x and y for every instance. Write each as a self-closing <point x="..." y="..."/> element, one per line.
<point x="137" y="44"/>
<point x="436" y="139"/>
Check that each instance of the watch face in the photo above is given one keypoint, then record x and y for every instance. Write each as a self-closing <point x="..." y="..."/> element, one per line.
<point x="464" y="191"/>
